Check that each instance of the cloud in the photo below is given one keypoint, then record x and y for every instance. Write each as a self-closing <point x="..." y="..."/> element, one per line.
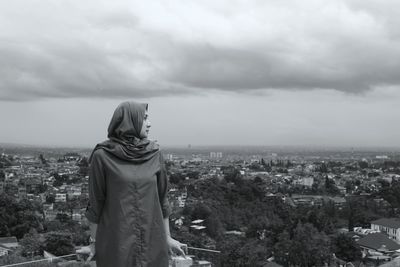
<point x="100" y="49"/>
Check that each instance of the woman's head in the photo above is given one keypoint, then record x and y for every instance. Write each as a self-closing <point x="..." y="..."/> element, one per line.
<point x="129" y="121"/>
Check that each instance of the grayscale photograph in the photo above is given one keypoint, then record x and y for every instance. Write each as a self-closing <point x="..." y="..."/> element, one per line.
<point x="241" y="133"/>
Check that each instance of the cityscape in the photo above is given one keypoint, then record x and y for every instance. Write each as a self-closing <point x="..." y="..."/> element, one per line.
<point x="232" y="206"/>
<point x="176" y="133"/>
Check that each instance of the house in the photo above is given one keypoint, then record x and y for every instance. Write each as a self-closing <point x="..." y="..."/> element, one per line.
<point x="9" y="242"/>
<point x="390" y="226"/>
<point x="4" y="250"/>
<point x="61" y="197"/>
<point x="50" y="215"/>
<point x="33" y="186"/>
<point x="378" y="242"/>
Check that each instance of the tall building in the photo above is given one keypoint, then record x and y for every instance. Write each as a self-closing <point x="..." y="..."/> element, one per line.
<point x="215" y="155"/>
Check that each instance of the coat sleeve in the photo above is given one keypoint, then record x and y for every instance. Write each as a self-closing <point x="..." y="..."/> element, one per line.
<point x="162" y="186"/>
<point x="97" y="189"/>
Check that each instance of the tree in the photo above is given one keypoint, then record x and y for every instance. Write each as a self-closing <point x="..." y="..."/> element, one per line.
<point x="254" y="253"/>
<point x="345" y="248"/>
<point x="63" y="218"/>
<point x="363" y="164"/>
<point x="53" y="226"/>
<point x="201" y="211"/>
<point x="83" y="166"/>
<point x="323" y="168"/>
<point x="42" y="159"/>
<point x="50" y="199"/>
<point x="59" y="243"/>
<point x="354" y="215"/>
<point x="11" y="259"/>
<point x="32" y="244"/>
<point x="17" y="218"/>
<point x="176" y="178"/>
<point x="214" y="226"/>
<point x="230" y="251"/>
<point x="258" y="180"/>
<point x="281" y="249"/>
<point x="330" y="186"/>
<point x="231" y="174"/>
<point x="57" y="183"/>
<point x="306" y="248"/>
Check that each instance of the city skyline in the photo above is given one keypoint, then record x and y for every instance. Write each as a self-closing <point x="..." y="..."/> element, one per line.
<point x="303" y="73"/>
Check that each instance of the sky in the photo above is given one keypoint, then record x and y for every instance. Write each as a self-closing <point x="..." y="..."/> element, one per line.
<point x="251" y="72"/>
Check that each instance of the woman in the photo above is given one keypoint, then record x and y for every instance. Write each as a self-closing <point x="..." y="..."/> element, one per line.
<point x="128" y="206"/>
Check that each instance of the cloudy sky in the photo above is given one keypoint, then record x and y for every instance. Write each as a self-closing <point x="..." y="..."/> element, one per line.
<point x="251" y="72"/>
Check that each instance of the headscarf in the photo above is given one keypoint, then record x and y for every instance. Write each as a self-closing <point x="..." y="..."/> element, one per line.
<point x="124" y="139"/>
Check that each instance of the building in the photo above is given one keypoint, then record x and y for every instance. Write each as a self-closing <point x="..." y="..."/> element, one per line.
<point x="4" y="250"/>
<point x="378" y="242"/>
<point x="215" y="155"/>
<point x="33" y="186"/>
<point x="21" y="192"/>
<point x="61" y="197"/>
<point x="50" y="215"/>
<point x="307" y="181"/>
<point x="9" y="242"/>
<point x="390" y="226"/>
<point x="201" y="263"/>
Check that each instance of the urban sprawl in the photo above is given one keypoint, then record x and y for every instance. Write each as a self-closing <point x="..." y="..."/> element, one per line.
<point x="232" y="207"/>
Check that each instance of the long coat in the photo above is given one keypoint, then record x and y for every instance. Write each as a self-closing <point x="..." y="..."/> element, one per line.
<point x="128" y="202"/>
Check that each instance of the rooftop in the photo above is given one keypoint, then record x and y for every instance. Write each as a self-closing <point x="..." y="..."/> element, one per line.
<point x="8" y="239"/>
<point x="378" y="240"/>
<point x="388" y="222"/>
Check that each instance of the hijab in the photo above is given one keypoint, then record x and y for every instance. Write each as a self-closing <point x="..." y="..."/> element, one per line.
<point x="124" y="140"/>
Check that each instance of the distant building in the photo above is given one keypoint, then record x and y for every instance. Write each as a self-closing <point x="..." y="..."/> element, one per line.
<point x="215" y="155"/>
<point x="307" y="181"/>
<point x="61" y="197"/>
<point x="9" y="242"/>
<point x="33" y="186"/>
<point x="71" y="156"/>
<point x="50" y="215"/>
<point x="169" y="157"/>
<point x="21" y="192"/>
<point x="76" y="215"/>
<point x="341" y="189"/>
<point x="382" y="157"/>
<point x="390" y="226"/>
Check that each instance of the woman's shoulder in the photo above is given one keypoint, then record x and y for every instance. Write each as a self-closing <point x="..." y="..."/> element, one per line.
<point x="98" y="154"/>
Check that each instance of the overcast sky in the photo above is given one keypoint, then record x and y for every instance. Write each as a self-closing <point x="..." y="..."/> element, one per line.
<point x="249" y="72"/>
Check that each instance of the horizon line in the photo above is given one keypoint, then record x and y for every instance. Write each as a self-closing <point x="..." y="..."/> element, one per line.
<point x="202" y="146"/>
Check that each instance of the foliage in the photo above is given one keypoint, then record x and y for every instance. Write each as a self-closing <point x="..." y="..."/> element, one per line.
<point x="330" y="186"/>
<point x="391" y="194"/>
<point x="345" y="248"/>
<point x="12" y="258"/>
<point x="59" y="243"/>
<point x="176" y="178"/>
<point x="17" y="218"/>
<point x="307" y="247"/>
<point x="32" y="244"/>
<point x="230" y="251"/>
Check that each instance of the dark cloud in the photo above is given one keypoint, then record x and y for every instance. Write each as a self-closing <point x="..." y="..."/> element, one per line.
<point x="80" y="70"/>
<point x="349" y="66"/>
<point x="114" y="50"/>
